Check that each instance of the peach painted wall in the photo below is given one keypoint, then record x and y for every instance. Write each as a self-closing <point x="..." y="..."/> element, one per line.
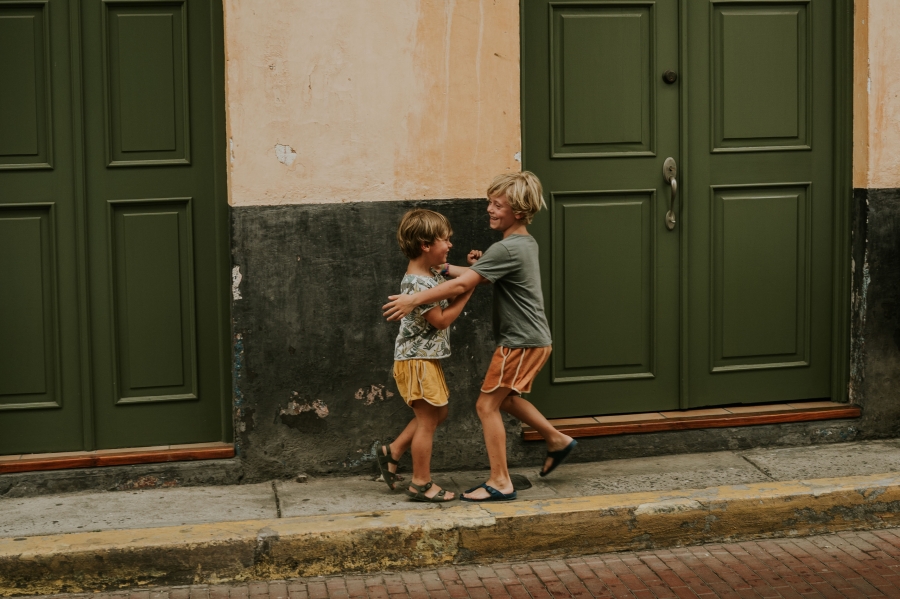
<point x="365" y="100"/>
<point x="876" y="127"/>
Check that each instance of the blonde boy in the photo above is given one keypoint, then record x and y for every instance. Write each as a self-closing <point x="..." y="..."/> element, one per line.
<point x="423" y="341"/>
<point x="520" y="328"/>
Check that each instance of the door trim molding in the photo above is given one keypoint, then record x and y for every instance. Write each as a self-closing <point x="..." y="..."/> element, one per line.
<point x="223" y="216"/>
<point x="684" y="225"/>
<point x="115" y="457"/>
<point x="843" y="196"/>
<point x="81" y="233"/>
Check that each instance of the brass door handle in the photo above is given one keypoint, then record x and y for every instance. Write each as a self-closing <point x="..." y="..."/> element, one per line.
<point x="669" y="172"/>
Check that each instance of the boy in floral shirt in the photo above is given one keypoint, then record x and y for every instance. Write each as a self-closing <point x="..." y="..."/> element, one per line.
<point x="423" y="341"/>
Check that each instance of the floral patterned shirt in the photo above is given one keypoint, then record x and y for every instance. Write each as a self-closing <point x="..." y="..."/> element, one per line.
<point x="418" y="340"/>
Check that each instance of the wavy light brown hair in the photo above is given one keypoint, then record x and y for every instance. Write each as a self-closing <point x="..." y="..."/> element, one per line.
<point x="523" y="192"/>
<point x="420" y="226"/>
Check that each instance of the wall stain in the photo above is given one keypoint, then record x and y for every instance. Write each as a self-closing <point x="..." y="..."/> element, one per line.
<point x="237" y="393"/>
<point x="295" y="409"/>
<point x="861" y="278"/>
<point x="236" y="278"/>
<point x="304" y="422"/>
<point x="247" y="423"/>
<point x="304" y="417"/>
<point x="147" y="482"/>
<point x="369" y="455"/>
<point x="374" y="392"/>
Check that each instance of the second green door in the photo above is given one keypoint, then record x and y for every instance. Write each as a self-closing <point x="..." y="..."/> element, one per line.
<point x="112" y="225"/>
<point x="727" y="299"/>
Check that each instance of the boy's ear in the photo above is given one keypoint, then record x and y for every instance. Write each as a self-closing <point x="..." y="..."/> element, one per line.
<point x="426" y="247"/>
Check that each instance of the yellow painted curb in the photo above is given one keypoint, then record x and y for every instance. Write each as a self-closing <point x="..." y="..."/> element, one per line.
<point x="406" y="539"/>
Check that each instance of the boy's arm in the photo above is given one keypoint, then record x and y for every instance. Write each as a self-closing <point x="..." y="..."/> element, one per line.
<point x="401" y="305"/>
<point x="442" y="318"/>
<point x="457" y="271"/>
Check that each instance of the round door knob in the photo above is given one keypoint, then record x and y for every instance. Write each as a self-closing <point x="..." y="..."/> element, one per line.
<point x="670" y="76"/>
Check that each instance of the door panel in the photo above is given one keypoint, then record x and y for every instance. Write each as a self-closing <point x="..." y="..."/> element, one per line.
<point x="145" y="73"/>
<point x="595" y="108"/>
<point x="154" y="300"/>
<point x="610" y="236"/>
<point x="760" y="285"/>
<point x="25" y="122"/>
<point x="601" y="66"/>
<point x="760" y="76"/>
<point x="31" y="346"/>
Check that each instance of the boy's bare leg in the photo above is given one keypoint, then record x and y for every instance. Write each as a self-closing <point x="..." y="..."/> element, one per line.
<point x="400" y="445"/>
<point x="522" y="409"/>
<point x="488" y="408"/>
<point x="428" y="417"/>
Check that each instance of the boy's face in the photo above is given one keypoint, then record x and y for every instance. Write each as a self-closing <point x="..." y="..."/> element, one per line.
<point x="501" y="213"/>
<point x="437" y="251"/>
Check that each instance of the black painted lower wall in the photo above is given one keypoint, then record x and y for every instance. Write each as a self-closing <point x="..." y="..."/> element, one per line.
<point x="875" y="322"/>
<point x="313" y="355"/>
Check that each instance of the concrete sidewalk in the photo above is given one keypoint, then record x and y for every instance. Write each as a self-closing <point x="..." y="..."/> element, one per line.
<point x="94" y="541"/>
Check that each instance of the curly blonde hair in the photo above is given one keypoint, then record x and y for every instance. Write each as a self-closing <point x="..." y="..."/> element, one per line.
<point x="523" y="192"/>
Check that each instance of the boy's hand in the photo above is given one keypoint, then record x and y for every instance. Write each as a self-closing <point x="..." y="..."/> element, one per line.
<point x="398" y="307"/>
<point x="473" y="256"/>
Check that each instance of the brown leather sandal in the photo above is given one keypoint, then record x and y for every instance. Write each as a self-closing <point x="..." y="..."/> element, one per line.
<point x="420" y="495"/>
<point x="385" y="458"/>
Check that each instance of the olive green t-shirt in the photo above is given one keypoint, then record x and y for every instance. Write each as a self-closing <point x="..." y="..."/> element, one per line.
<point x="511" y="265"/>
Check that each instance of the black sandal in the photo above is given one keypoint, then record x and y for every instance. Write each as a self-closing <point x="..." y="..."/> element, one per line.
<point x="385" y="458"/>
<point x="419" y="495"/>
<point x="558" y="457"/>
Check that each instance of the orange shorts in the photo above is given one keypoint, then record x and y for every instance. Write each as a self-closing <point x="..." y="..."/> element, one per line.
<point x="515" y="368"/>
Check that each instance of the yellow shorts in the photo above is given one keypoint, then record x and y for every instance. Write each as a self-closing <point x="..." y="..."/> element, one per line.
<point x="421" y="379"/>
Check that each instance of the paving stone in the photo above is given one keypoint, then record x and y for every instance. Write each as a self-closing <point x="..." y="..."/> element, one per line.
<point x="849" y="565"/>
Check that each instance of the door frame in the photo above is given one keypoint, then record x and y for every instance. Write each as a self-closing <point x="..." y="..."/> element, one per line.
<point x="222" y="221"/>
<point x="842" y="150"/>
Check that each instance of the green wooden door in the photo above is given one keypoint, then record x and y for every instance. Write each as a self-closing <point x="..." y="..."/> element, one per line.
<point x="132" y="240"/>
<point x="732" y="305"/>
<point x="759" y="204"/>
<point x="598" y="122"/>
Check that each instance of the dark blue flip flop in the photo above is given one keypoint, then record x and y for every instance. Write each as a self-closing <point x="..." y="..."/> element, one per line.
<point x="558" y="457"/>
<point x="494" y="494"/>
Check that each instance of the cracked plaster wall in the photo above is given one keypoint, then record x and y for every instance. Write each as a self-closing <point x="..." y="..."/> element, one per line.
<point x="363" y="100"/>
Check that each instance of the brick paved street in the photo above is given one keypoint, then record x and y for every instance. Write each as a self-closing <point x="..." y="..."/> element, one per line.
<point x="851" y="565"/>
